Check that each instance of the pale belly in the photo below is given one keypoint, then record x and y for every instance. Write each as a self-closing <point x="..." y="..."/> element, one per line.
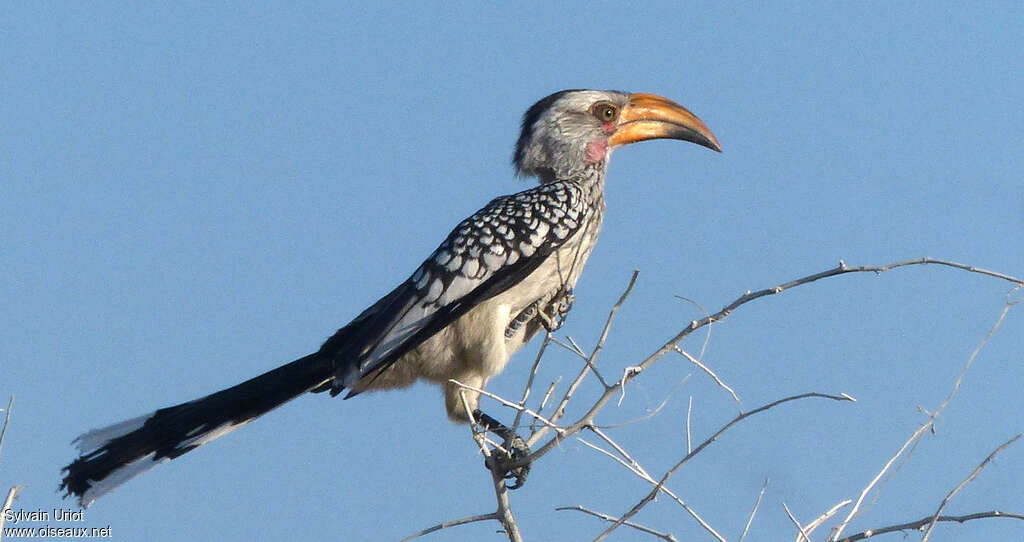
<point x="476" y="347"/>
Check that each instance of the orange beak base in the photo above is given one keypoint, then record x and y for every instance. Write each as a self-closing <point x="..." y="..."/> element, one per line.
<point x="648" y="116"/>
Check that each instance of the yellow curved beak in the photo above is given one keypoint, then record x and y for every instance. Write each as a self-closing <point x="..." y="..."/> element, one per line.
<point x="648" y="116"/>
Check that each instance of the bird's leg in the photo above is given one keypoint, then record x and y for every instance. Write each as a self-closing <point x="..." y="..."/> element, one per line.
<point x="514" y="444"/>
<point x="529" y="313"/>
<point x="553" y="315"/>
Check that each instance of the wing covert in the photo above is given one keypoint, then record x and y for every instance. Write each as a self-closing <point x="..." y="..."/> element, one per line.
<point x="486" y="254"/>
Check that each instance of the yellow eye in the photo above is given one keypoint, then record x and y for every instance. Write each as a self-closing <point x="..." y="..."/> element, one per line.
<point x="605" y="112"/>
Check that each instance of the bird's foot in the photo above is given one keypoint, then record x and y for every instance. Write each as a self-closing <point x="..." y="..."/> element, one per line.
<point x="508" y="463"/>
<point x="556" y="311"/>
<point x="529" y="313"/>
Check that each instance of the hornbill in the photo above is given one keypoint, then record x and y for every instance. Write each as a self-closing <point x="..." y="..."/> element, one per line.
<point x="499" y="277"/>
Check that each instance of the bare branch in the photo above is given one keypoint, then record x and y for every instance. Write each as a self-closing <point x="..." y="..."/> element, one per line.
<point x="977" y="470"/>
<point x="504" y="512"/>
<point x="606" y="517"/>
<point x="928" y="425"/>
<point x="588" y="417"/>
<point x="529" y="380"/>
<point x="689" y="413"/>
<point x="13" y="492"/>
<point x="710" y="373"/>
<point x="570" y="346"/>
<point x="576" y="346"/>
<point x="610" y="390"/>
<point x="7" y="420"/>
<point x="653" y="412"/>
<point x="707" y="336"/>
<point x="452" y="523"/>
<point x="622" y="451"/>
<point x="757" y="504"/>
<point x="507" y="403"/>
<point x="632" y="467"/>
<point x="742" y="416"/>
<point x="8" y="502"/>
<point x="544" y="402"/>
<point x="639" y="472"/>
<point x="560" y="410"/>
<point x="888" y="464"/>
<point x="802" y="534"/>
<point x="920" y="524"/>
<point x="824" y="517"/>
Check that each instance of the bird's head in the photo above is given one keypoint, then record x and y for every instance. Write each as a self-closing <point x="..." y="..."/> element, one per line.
<point x="570" y="130"/>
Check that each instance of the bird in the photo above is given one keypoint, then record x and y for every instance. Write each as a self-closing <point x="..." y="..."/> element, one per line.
<point x="501" y="276"/>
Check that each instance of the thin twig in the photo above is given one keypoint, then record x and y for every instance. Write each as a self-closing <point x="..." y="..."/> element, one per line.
<point x="560" y="410"/>
<point x="707" y="336"/>
<point x="651" y="412"/>
<point x="7" y="420"/>
<point x="606" y="517"/>
<point x="919" y="524"/>
<point x="639" y="472"/>
<point x="547" y="394"/>
<point x="571" y="346"/>
<point x="634" y="468"/>
<point x="977" y="470"/>
<point x="506" y="402"/>
<point x="622" y="451"/>
<point x="529" y="380"/>
<point x="504" y="511"/>
<point x="753" y="512"/>
<point x="8" y="503"/>
<point x="453" y="523"/>
<point x="837" y="531"/>
<point x="929" y="424"/>
<point x="710" y="373"/>
<point x="13" y="492"/>
<point x="824" y="517"/>
<point x="841" y="269"/>
<point x="740" y="417"/>
<point x="689" y="413"/>
<point x="544" y="403"/>
<point x="576" y="346"/>
<point x="575" y="349"/>
<point x="587" y="419"/>
<point x="801" y="533"/>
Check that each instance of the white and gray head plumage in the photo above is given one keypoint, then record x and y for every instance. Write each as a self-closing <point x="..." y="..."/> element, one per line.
<point x="557" y="130"/>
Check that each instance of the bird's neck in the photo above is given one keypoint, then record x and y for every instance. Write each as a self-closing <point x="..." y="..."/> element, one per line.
<point x="592" y="181"/>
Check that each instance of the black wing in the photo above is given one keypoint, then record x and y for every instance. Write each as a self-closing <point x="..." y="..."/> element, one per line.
<point x="486" y="254"/>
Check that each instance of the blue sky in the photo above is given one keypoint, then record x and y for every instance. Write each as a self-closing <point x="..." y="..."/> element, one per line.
<point x="192" y="194"/>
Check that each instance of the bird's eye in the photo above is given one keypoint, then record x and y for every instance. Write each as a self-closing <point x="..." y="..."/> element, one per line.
<point x="605" y="112"/>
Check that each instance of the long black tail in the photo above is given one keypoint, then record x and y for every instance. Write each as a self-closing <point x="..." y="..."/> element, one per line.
<point x="113" y="455"/>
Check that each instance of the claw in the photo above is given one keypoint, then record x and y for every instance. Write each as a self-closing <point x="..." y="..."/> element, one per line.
<point x="516" y="448"/>
<point x="556" y="311"/>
